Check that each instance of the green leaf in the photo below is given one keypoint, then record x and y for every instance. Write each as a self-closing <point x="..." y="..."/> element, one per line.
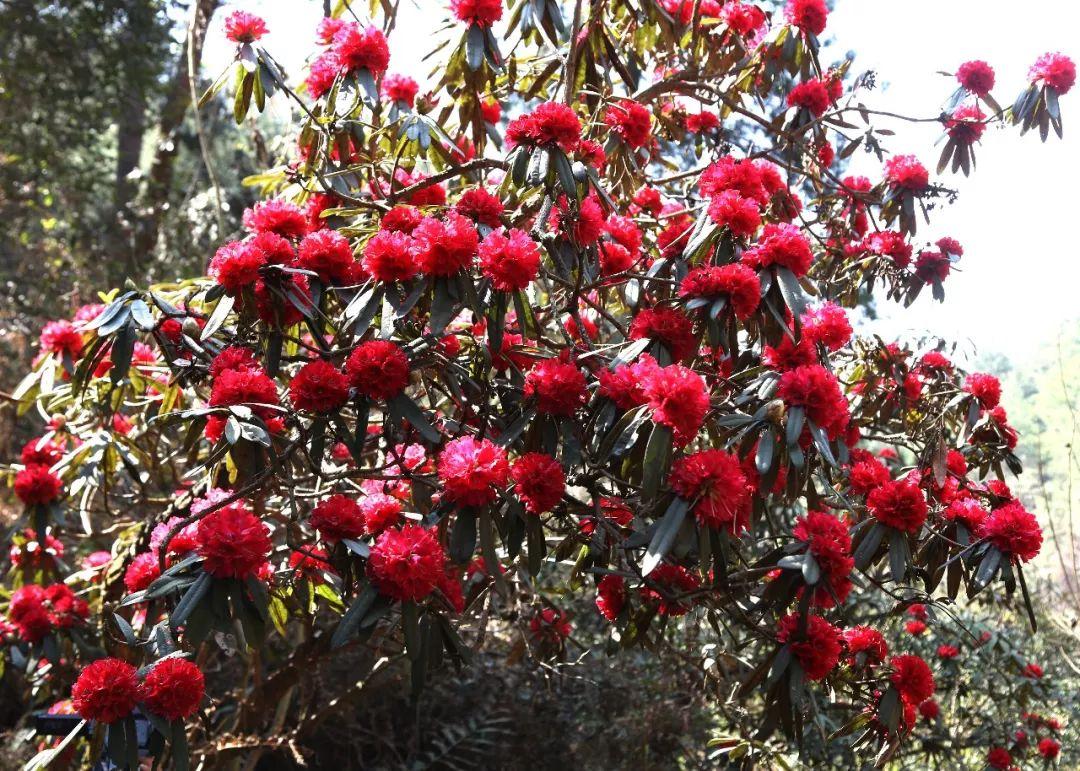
<point x="410" y="410"/>
<point x="474" y="47"/>
<point x="664" y="535"/>
<point x="657" y="459"/>
<point x="350" y="622"/>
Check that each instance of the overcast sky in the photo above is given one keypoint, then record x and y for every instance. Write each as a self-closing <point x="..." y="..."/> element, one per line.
<point x="1016" y="215"/>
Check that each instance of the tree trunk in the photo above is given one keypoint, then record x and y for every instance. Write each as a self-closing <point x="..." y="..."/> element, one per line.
<point x="159" y="178"/>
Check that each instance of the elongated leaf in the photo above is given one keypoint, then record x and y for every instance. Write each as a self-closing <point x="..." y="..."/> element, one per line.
<point x="350" y="622"/>
<point x="664" y="535"/>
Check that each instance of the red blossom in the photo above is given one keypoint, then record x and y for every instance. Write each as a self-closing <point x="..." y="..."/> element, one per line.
<point x="904" y="172"/>
<point x="538" y="481"/>
<point x="106" y="691"/>
<point x="142" y="572"/>
<point x="389" y="256"/>
<point x="400" y="88"/>
<point x="357" y="48"/>
<point x="817" y="391"/>
<point x="277" y="216"/>
<point x="632" y="121"/>
<point x="337" y="517"/>
<point x="481" y="12"/>
<point x="511" y="261"/>
<point x="984" y="387"/>
<point x="783" y="245"/>
<point x="714" y="479"/>
<point x="406" y="564"/>
<point x="673" y="582"/>
<point x="611" y="596"/>
<point x="976" y="76"/>
<point x="808" y="15"/>
<point x="319" y="387"/>
<point x="736" y="283"/>
<point x="865" y="646"/>
<point x="827" y="324"/>
<point x="233" y="542"/>
<point x="36" y="485"/>
<point x="481" y="206"/>
<point x="557" y="387"/>
<point x="816" y="648"/>
<point x="669" y="326"/>
<point x="327" y="253"/>
<point x="378" y="369"/>
<point x="61" y="337"/>
<point x="173" y="689"/>
<point x="1013" y="530"/>
<point x="471" y="470"/>
<point x="1054" y="70"/>
<point x="445" y="247"/>
<point x="811" y="95"/>
<point x="550" y="123"/>
<point x="900" y="504"/>
<point x="244" y="27"/>
<point x="677" y="398"/>
<point x="740" y="215"/>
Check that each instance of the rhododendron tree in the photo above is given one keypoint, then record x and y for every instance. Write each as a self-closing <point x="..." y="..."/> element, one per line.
<point x="545" y="332"/>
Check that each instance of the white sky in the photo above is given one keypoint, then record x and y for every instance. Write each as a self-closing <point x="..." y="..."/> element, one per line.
<point x="1016" y="215"/>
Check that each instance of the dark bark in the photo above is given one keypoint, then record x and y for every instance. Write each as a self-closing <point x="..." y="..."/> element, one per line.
<point x="160" y="176"/>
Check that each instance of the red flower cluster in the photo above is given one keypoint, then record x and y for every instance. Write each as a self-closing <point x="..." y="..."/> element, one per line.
<point x="817" y="647"/>
<point x="36" y="611"/>
<point x="867" y="474"/>
<point x="984" y="387"/>
<point x="701" y="122"/>
<point x="1013" y="530"/>
<point x="355" y="48"/>
<point x="389" y="255"/>
<point x="781" y="244"/>
<point x="677" y="398"/>
<point x="143" y="571"/>
<point x="673" y="582"/>
<point x="611" y="596"/>
<point x="898" y="503"/>
<point x="278" y="216"/>
<point x="328" y="254"/>
<point x="904" y="172"/>
<point x="549" y="124"/>
<point x="470" y="470"/>
<point x="407" y="564"/>
<point x="447" y="246"/>
<point x="400" y="88"/>
<point x="808" y="15"/>
<point x="716" y="481"/>
<point x="817" y="391"/>
<point x="549" y="627"/>
<point x="233" y="542"/>
<point x="670" y="326"/>
<point x="319" y="387"/>
<point x="106" y="691"/>
<point x="173" y="689"/>
<point x="912" y="678"/>
<point x="556" y="387"/>
<point x="740" y="215"/>
<point x="966" y="124"/>
<point x="511" y="261"/>
<point x="865" y="646"/>
<point x="829" y="541"/>
<point x="632" y="121"/>
<point x="828" y="325"/>
<point x="337" y="517"/>
<point x="378" y="369"/>
<point x="811" y="95"/>
<point x="244" y="27"/>
<point x="482" y="12"/>
<point x="481" y="206"/>
<point x="538" y="481"/>
<point x="36" y="485"/>
<point x="976" y="76"/>
<point x="736" y="283"/>
<point x="1054" y="70"/>
<point x="61" y="337"/>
